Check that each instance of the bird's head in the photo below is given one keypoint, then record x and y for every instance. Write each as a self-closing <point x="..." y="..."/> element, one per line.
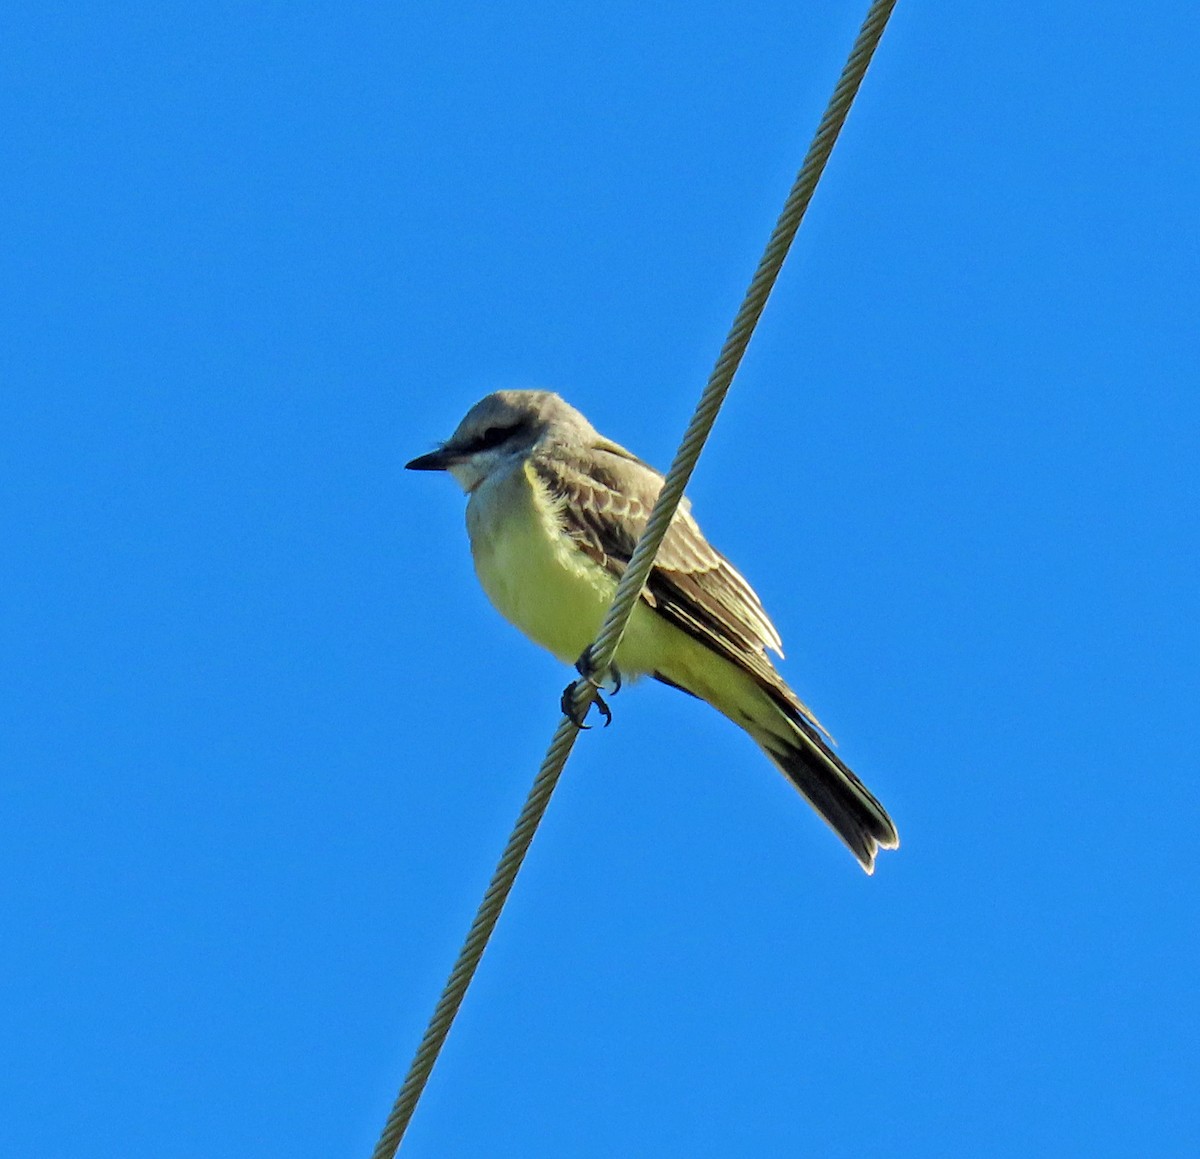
<point x="499" y="429"/>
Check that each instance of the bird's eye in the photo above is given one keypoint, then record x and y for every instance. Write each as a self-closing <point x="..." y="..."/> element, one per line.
<point x="492" y="437"/>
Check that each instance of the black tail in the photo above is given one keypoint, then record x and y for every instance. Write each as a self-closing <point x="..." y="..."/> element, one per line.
<point x="845" y="803"/>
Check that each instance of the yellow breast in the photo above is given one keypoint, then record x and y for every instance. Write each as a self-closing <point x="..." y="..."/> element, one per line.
<point x="533" y="572"/>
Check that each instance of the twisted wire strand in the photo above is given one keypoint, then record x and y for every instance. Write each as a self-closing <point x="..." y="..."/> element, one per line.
<point x="617" y="618"/>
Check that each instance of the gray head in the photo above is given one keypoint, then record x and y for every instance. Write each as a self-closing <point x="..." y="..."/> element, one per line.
<point x="504" y="426"/>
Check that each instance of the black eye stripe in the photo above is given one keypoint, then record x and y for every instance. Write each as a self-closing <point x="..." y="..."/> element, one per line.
<point x="493" y="437"/>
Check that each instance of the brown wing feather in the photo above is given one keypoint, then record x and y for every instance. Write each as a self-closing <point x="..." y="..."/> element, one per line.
<point x="607" y="500"/>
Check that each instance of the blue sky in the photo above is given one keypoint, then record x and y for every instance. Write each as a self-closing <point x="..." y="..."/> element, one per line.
<point x="262" y="738"/>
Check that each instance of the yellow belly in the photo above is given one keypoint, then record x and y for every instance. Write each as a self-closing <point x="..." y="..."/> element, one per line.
<point x="533" y="573"/>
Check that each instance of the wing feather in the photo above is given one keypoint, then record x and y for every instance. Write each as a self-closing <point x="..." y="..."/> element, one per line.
<point x="605" y="499"/>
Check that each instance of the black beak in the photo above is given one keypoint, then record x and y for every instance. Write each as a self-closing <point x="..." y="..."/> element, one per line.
<point x="438" y="460"/>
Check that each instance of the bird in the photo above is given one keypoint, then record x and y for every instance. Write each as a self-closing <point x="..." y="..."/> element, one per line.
<point x="554" y="511"/>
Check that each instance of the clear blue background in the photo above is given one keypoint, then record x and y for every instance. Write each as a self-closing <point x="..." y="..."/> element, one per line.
<point x="262" y="739"/>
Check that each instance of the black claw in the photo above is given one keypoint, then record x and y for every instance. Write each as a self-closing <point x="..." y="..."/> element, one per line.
<point x="567" y="704"/>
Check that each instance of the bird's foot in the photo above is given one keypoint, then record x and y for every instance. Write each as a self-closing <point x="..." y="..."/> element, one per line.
<point x="586" y="667"/>
<point x="587" y="671"/>
<point x="577" y="719"/>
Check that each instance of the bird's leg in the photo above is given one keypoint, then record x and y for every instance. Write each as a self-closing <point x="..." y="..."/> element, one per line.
<point x="587" y="670"/>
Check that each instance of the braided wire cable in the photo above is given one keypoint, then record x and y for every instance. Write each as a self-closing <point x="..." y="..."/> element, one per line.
<point x="628" y="590"/>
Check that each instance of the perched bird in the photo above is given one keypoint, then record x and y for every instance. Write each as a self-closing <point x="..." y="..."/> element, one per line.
<point x="554" y="513"/>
